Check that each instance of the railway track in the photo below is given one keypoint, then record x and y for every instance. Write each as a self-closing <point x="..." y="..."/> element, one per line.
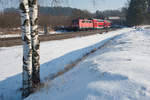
<point x="13" y="41"/>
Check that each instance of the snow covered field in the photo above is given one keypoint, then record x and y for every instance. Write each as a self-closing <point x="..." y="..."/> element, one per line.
<point x="119" y="71"/>
<point x="19" y="35"/>
<point x="9" y="35"/>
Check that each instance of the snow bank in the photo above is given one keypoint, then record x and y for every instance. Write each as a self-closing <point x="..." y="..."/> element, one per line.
<point x="19" y="35"/>
<point x="75" y="51"/>
<point x="55" y="55"/>
<point x="119" y="71"/>
<point x="9" y="35"/>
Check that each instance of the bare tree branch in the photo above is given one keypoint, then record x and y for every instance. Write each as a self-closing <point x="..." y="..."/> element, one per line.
<point x="53" y="3"/>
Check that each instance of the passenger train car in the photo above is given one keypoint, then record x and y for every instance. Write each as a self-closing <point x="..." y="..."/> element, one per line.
<point x="86" y="24"/>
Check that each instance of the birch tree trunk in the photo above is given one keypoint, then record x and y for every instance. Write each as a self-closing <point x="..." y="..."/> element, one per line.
<point x="27" y="49"/>
<point x="35" y="42"/>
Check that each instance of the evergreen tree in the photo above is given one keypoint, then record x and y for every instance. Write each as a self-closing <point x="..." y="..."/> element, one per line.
<point x="148" y="12"/>
<point x="99" y="14"/>
<point x="136" y="12"/>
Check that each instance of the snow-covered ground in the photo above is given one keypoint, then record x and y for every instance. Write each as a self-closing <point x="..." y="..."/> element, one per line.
<point x="119" y="71"/>
<point x="9" y="35"/>
<point x="55" y="55"/>
<point x="40" y="33"/>
<point x="58" y="32"/>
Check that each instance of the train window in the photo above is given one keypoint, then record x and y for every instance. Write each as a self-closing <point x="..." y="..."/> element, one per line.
<point x="83" y="21"/>
<point x="86" y="21"/>
<point x="100" y="20"/>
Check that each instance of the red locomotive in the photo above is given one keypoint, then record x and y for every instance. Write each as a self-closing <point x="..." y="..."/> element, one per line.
<point x="85" y="24"/>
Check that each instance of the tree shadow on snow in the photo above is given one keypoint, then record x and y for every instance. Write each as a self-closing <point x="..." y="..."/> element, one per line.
<point x="10" y="87"/>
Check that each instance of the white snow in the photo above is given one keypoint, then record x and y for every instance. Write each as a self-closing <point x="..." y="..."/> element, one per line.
<point x="55" y="55"/>
<point x="9" y="35"/>
<point x="19" y="35"/>
<point x="53" y="32"/>
<point x="57" y="32"/>
<point x="118" y="71"/>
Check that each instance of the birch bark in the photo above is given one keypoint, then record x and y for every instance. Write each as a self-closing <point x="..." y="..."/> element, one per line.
<point x="27" y="49"/>
<point x="35" y="42"/>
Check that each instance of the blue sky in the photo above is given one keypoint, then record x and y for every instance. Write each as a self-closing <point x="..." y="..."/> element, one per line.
<point x="100" y="4"/>
<point x="82" y="4"/>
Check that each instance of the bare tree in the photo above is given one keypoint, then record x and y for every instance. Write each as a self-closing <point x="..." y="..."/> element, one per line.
<point x="27" y="48"/>
<point x="31" y="65"/>
<point x="35" y="42"/>
<point x="30" y="38"/>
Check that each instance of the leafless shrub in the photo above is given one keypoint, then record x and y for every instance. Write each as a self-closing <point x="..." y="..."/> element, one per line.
<point x="9" y="20"/>
<point x="50" y="20"/>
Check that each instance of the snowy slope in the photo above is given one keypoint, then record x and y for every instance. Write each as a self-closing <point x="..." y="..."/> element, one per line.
<point x="119" y="71"/>
<point x="55" y="55"/>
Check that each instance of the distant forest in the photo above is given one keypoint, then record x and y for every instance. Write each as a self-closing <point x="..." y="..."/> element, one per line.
<point x="55" y="11"/>
<point x="54" y="16"/>
<point x="136" y="12"/>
